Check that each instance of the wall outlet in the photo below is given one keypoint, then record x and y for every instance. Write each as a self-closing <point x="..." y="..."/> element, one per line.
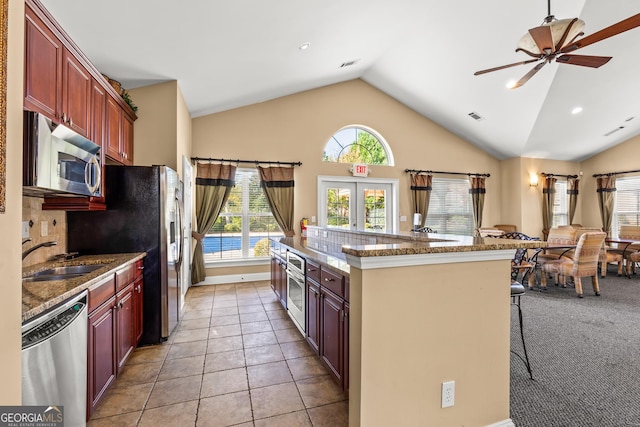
<point x="25" y="229"/>
<point x="313" y="219"/>
<point x="448" y="393"/>
<point x="403" y="218"/>
<point x="44" y="228"/>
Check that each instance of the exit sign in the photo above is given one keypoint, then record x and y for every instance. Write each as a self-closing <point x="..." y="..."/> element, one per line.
<point x="360" y="169"/>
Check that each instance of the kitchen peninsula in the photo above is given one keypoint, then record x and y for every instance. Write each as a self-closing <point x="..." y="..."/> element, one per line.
<point x="423" y="309"/>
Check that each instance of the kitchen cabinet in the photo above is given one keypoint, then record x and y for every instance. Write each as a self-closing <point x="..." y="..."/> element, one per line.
<point x="331" y="327"/>
<point x="313" y="315"/>
<point x="118" y="133"/>
<point x="279" y="273"/>
<point x="61" y="83"/>
<point x="115" y="328"/>
<point x="57" y="84"/>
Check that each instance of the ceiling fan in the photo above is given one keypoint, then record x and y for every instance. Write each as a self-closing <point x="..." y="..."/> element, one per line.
<point x="555" y="38"/>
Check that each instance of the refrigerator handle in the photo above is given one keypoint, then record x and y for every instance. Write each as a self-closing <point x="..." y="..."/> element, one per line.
<point x="181" y="227"/>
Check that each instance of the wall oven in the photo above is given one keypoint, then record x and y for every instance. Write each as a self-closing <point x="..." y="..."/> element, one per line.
<point x="296" y="292"/>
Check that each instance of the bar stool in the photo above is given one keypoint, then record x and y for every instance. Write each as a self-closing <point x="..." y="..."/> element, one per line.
<point x="517" y="291"/>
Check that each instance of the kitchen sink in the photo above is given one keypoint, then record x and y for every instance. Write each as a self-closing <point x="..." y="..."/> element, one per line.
<point x="61" y="273"/>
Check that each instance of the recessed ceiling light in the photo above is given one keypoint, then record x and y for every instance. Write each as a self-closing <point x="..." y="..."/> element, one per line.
<point x="576" y="110"/>
<point x="304" y="46"/>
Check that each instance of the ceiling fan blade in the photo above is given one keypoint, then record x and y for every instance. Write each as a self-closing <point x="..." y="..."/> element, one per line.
<point x="615" y="29"/>
<point x="584" y="60"/>
<point x="542" y="36"/>
<point x="502" y="67"/>
<point x="527" y="76"/>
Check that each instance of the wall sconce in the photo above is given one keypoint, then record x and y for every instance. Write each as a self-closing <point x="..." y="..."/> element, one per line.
<point x="533" y="179"/>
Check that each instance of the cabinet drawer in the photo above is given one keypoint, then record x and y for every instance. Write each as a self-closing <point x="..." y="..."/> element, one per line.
<point x="313" y="271"/>
<point x="139" y="268"/>
<point x="125" y="275"/>
<point x="332" y="281"/>
<point x="100" y="292"/>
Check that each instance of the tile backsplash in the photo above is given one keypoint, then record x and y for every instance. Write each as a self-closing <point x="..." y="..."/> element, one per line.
<point x="56" y="230"/>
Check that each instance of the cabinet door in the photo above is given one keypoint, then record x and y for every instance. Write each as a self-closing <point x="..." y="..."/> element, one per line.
<point x="124" y="326"/>
<point x="76" y="95"/>
<point x="101" y="358"/>
<point x="313" y="316"/>
<point x="274" y="269"/>
<point x="112" y="116"/>
<point x="137" y="311"/>
<point x="331" y="327"/>
<point x="126" y="141"/>
<point x="43" y="68"/>
<point x="283" y="284"/>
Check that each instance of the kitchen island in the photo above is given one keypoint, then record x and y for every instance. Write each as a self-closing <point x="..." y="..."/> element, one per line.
<point x="426" y="309"/>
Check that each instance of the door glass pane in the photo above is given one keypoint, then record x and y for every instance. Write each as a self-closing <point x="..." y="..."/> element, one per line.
<point x="338" y="207"/>
<point x="375" y="218"/>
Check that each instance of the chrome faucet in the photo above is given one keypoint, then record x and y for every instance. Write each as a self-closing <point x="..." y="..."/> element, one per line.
<point x="38" y="246"/>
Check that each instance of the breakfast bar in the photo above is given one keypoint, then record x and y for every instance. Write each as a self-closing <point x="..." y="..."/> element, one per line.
<point x="424" y="309"/>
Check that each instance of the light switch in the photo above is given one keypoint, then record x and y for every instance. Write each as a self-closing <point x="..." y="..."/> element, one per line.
<point x="25" y="229"/>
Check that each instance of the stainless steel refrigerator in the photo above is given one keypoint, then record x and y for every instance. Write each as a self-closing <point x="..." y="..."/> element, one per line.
<point x="144" y="213"/>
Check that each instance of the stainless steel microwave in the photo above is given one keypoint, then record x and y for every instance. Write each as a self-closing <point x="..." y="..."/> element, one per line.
<point x="57" y="160"/>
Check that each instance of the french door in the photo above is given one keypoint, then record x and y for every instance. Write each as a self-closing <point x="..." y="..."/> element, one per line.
<point x="358" y="204"/>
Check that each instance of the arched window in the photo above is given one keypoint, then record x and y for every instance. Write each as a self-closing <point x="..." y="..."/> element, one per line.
<point x="357" y="144"/>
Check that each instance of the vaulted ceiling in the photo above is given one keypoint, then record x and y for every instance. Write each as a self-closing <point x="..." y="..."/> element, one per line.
<point x="227" y="54"/>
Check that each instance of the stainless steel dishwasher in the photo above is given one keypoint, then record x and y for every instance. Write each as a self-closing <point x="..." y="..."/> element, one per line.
<point x="54" y="360"/>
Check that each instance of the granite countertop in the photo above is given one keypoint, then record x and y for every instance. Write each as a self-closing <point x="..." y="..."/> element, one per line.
<point x="409" y="243"/>
<point x="38" y="297"/>
<point x="334" y="260"/>
<point x="439" y="243"/>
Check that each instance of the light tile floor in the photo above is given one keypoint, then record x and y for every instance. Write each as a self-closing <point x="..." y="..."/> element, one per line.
<point x="234" y="359"/>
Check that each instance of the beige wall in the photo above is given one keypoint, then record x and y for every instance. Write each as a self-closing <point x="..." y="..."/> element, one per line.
<point x="162" y="133"/>
<point x="56" y="230"/>
<point x="297" y="127"/>
<point x="418" y="335"/>
<point x="623" y="157"/>
<point x="10" y="303"/>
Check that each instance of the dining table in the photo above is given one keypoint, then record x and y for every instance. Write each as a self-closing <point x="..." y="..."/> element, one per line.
<point x="624" y="245"/>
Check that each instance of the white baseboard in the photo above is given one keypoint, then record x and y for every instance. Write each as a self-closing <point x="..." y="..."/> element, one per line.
<point x="504" y="423"/>
<point x="234" y="278"/>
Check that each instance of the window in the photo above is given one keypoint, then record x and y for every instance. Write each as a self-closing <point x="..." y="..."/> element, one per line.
<point x="355" y="144"/>
<point x="245" y="224"/>
<point x="560" y="205"/>
<point x="450" y="208"/>
<point x="626" y="210"/>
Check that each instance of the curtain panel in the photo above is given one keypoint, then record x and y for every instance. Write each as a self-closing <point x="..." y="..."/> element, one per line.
<point x="605" y="189"/>
<point x="213" y="186"/>
<point x="278" y="186"/>
<point x="421" y="194"/>
<point x="548" y="196"/>
<point x="477" y="192"/>
<point x="572" y="192"/>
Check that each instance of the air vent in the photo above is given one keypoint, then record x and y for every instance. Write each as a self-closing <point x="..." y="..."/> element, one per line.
<point x="475" y="116"/>
<point x="614" y="130"/>
<point x="349" y="63"/>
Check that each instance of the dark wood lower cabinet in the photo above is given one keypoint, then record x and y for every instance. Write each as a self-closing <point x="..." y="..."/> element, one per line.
<point x="101" y="358"/>
<point x="138" y="324"/>
<point x="313" y="315"/>
<point x="331" y="348"/>
<point x="125" y="340"/>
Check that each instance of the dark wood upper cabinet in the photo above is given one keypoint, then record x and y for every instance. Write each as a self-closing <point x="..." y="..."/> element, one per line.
<point x="43" y="68"/>
<point x="76" y="95"/>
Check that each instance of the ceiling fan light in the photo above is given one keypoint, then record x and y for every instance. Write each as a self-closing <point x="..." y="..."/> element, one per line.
<point x="558" y="27"/>
<point x="511" y="84"/>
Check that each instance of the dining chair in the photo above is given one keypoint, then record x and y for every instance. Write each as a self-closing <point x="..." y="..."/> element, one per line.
<point x="565" y="236"/>
<point x="607" y="256"/>
<point x="507" y="228"/>
<point x="583" y="264"/>
<point x="524" y="260"/>
<point x="628" y="232"/>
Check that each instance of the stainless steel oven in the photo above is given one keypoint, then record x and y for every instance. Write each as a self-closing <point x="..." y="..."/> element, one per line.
<point x="296" y="293"/>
